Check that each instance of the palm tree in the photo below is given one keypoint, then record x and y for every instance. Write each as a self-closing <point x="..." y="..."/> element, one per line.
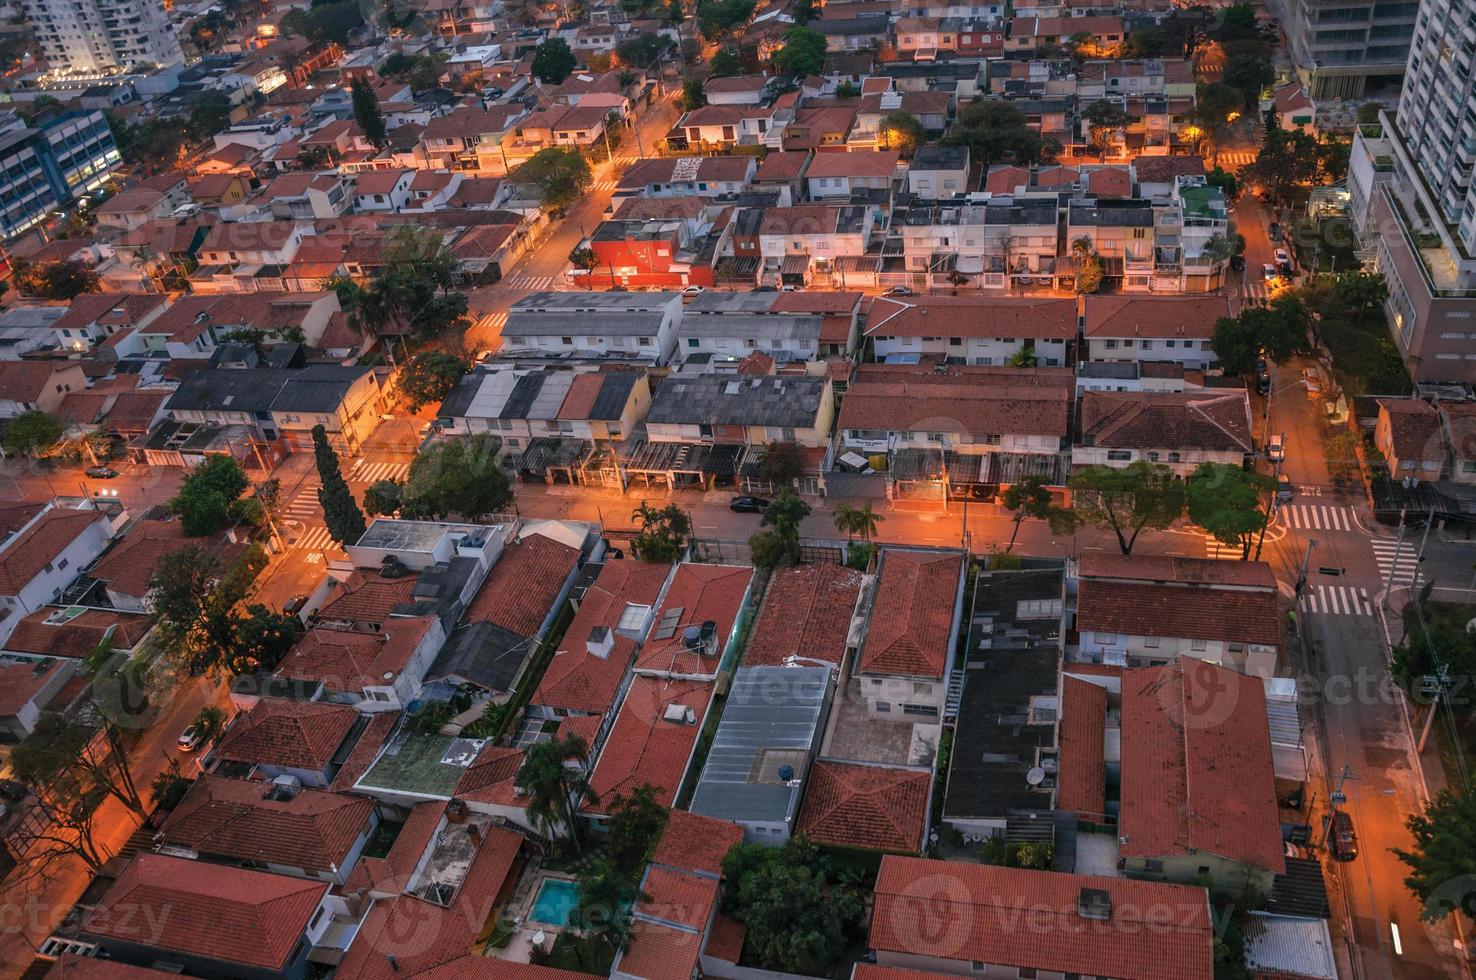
<point x="556" y="789"/>
<point x="602" y="905"/>
<point x="867" y="521"/>
<point x="844" y="519"/>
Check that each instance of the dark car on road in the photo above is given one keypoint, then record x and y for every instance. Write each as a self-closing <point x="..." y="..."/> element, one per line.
<point x="101" y="472"/>
<point x="1342" y="841"/>
<point x="744" y="504"/>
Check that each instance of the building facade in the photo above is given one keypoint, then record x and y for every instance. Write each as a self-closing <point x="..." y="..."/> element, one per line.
<point x="98" y="37"/>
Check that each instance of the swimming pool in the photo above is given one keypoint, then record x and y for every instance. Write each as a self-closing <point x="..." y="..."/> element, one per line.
<point x="556" y="898"/>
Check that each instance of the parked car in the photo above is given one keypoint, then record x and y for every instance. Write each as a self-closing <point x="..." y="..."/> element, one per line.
<point x="1284" y="491"/>
<point x="1275" y="448"/>
<point x="101" y="472"/>
<point x="789" y="289"/>
<point x="1342" y="841"/>
<point x="1268" y="272"/>
<point x="692" y="290"/>
<point x="745" y="504"/>
<point x="13" y="790"/>
<point x="1283" y="257"/>
<point x="294" y="605"/>
<point x="1274" y="231"/>
<point x="899" y="291"/>
<point x="190" y="739"/>
<point x="1237" y="263"/>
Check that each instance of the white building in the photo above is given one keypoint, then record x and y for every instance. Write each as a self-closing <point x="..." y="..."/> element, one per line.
<point x="101" y="36"/>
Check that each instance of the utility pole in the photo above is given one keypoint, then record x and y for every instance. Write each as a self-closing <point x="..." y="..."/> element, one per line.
<point x="1442" y="683"/>
<point x="1398" y="549"/>
<point x="1420" y="555"/>
<point x="1336" y="797"/>
<point x="1302" y="573"/>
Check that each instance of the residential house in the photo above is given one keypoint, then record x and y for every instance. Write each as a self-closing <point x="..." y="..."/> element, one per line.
<point x="839" y="314"/>
<point x="785" y="172"/>
<point x="1159" y="328"/>
<point x="806" y="617"/>
<point x="1028" y="33"/>
<point x="29" y="687"/>
<point x="815" y="243"/>
<point x="131" y="208"/>
<point x="1458" y="420"/>
<point x="376" y="671"/>
<point x="973" y="330"/>
<point x="1294" y="109"/>
<point x="685" y="176"/>
<point x="906" y="655"/>
<point x="737" y="89"/>
<point x="733" y="325"/>
<point x="170" y="909"/>
<point x="382" y="190"/>
<point x="93" y="317"/>
<point x="345" y="400"/>
<point x="42" y="554"/>
<point x="1181" y="430"/>
<point x="1410" y="436"/>
<point x="472" y="139"/>
<point x="37" y="386"/>
<point x="1194" y="731"/>
<point x="939" y="171"/>
<point x="304" y="195"/>
<point x="717" y="126"/>
<point x="841" y="174"/>
<point x="287" y="830"/>
<point x="716" y="409"/>
<point x="634" y="326"/>
<point x="308" y="740"/>
<point x="126" y="570"/>
<point x="1088" y="926"/>
<point x="866" y="807"/>
<point x="1010" y="245"/>
<point x="1145" y="612"/>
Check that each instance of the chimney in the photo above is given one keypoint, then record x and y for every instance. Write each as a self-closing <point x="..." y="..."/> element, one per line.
<point x="600" y="642"/>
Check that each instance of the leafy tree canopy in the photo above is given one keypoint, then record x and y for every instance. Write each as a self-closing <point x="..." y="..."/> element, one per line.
<point x="31" y="432"/>
<point x="1230" y="503"/>
<point x="1126" y="500"/>
<point x="429" y="376"/>
<point x="553" y="61"/>
<point x="799" y="914"/>
<point x="562" y="174"/>
<point x="457" y="476"/>
<point x="803" y="52"/>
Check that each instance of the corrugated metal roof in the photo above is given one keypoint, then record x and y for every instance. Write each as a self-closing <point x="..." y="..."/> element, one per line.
<point x="1289" y="944"/>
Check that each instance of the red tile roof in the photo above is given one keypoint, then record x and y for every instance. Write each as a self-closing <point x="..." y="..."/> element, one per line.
<point x="782" y="166"/>
<point x="725" y="939"/>
<point x="912" y="614"/>
<point x="27" y="381"/>
<point x="644" y="747"/>
<point x="876" y="808"/>
<point x="348" y="661"/>
<point x="13" y="517"/>
<point x="474" y="967"/>
<point x="1211" y="420"/>
<point x="806" y="616"/>
<point x="1414" y="427"/>
<point x="366" y="597"/>
<point x="213" y="911"/>
<point x="693" y="842"/>
<point x="1004" y="180"/>
<point x="129" y="564"/>
<point x="1082" y="779"/>
<point x="77" y="636"/>
<point x="1197" y="775"/>
<point x="290" y="734"/>
<point x="490" y="778"/>
<point x="1163" y="169"/>
<point x="808" y="302"/>
<point x="966" y="913"/>
<point x="364" y="751"/>
<point x="575" y="678"/>
<point x="233" y="818"/>
<point x="972" y="316"/>
<point x="21" y="682"/>
<point x="420" y="935"/>
<point x="677" y="897"/>
<point x="871" y="971"/>
<point x="863" y="163"/>
<point x="657" y="952"/>
<point x="73" y="967"/>
<point x="973" y="406"/>
<point x="1166" y="317"/>
<point x="698" y="594"/>
<point x="522" y="587"/>
<point x="26" y="555"/>
<point x="1109" y="182"/>
<point x="1180" y="611"/>
<point x="1171" y="568"/>
<point x="391" y="873"/>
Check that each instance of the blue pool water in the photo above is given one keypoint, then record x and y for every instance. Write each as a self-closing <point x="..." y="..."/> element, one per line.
<point x="556" y="898"/>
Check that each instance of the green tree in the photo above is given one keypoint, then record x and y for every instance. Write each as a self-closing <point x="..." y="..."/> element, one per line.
<point x="664" y="533"/>
<point x="1028" y="498"/>
<point x="169" y="787"/>
<point x="384" y="496"/>
<point x="1105" y="121"/>
<point x="1359" y="290"/>
<point x="799" y="914"/>
<point x="1216" y="106"/>
<point x="209" y="723"/>
<point x="1279" y="330"/>
<point x="856" y="520"/>
<point x="55" y="280"/>
<point x="205" y="497"/>
<point x="783" y="516"/>
<point x="341" y="513"/>
<point x="1442" y="861"/>
<point x="781" y="463"/>
<point x="1089" y="271"/>
<point x="996" y="130"/>
<point x="603" y="897"/>
<point x="803" y="52"/>
<point x="261" y="639"/>
<point x="1227" y="501"/>
<point x="903" y="132"/>
<point x="847" y="90"/>
<point x="553" y="61"/>
<point x="634" y="825"/>
<point x="640" y="51"/>
<point x="556" y="790"/>
<point x="692" y="96"/>
<point x="583" y="258"/>
<point x="1248" y="74"/>
<point x="1146" y="42"/>
<point x="429" y="376"/>
<point x="64" y="750"/>
<point x="725" y="64"/>
<point x="181" y="590"/>
<point x="561" y="174"/>
<point x="1126" y="500"/>
<point x="715" y="18"/>
<point x="1286" y="161"/>
<point x="457" y="476"/>
<point x="31" y="433"/>
<point x="368" y="114"/>
<point x="1225" y="181"/>
<point x="1340" y="451"/>
<point x="210" y="112"/>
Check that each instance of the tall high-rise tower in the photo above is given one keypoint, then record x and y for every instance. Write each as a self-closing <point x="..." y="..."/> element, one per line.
<point x="1340" y="46"/>
<point x="86" y="36"/>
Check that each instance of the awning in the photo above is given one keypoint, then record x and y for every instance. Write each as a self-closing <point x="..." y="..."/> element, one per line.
<point x="970" y="265"/>
<point x="794" y="265"/>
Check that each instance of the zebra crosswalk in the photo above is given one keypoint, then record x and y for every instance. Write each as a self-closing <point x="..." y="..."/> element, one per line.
<point x="1336" y="600"/>
<point x="1406" y="567"/>
<point x="1316" y="517"/>
<point x="1230" y="159"/>
<point x="315" y="539"/>
<point x="524" y="281"/>
<point x="304" y="505"/>
<point x="494" y="321"/>
<point x="363" y="471"/>
<point x="604" y="185"/>
<point x="1214" y="548"/>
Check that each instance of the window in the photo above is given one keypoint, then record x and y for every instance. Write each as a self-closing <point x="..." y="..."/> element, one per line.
<point x="1147" y="345"/>
<point x="62" y="563"/>
<point x="1169" y="344"/>
<point x="379" y="695"/>
<point x="692" y="341"/>
<point x="567" y="341"/>
<point x="644" y="341"/>
<point x="955" y="341"/>
<point x="1153" y="455"/>
<point x="1204" y="869"/>
<point x="1119" y="455"/>
<point x="1153" y="864"/>
<point x="1025" y="972"/>
<point x="1109" y="344"/>
<point x="1199" y="645"/>
<point x="883" y="706"/>
<point x="1175" y="457"/>
<point x="1237" y="648"/>
<point x="926" y="710"/>
<point x="1151" y="642"/>
<point x="1107" y="639"/>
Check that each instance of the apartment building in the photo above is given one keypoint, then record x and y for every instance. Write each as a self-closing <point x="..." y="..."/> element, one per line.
<point x="98" y="37"/>
<point x="42" y="169"/>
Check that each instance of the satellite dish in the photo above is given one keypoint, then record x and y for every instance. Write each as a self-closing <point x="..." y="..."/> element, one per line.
<point x="1035" y="776"/>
